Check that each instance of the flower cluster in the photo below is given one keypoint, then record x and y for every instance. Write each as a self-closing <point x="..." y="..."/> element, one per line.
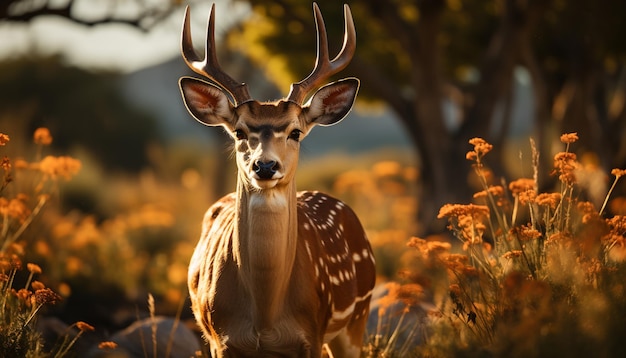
<point x="530" y="260"/>
<point x="21" y="302"/>
<point x="481" y="148"/>
<point x="55" y="167"/>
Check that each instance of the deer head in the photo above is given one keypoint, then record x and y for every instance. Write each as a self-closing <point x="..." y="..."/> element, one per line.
<point x="267" y="135"/>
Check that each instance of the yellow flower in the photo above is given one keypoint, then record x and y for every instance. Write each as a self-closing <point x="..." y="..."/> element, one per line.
<point x="4" y="139"/>
<point x="42" y="136"/>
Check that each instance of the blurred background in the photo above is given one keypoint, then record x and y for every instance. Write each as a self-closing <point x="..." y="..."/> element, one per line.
<point x="102" y="76"/>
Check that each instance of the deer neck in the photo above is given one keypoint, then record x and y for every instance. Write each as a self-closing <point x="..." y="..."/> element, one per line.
<point x="265" y="247"/>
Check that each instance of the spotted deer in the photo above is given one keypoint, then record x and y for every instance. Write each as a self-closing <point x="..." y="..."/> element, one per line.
<point x="277" y="272"/>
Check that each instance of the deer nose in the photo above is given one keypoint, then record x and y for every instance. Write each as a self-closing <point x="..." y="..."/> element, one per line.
<point x="265" y="170"/>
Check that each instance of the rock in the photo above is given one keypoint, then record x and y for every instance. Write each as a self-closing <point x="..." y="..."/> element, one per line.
<point x="136" y="340"/>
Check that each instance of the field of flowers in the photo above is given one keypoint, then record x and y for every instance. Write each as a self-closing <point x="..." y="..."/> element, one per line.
<point x="531" y="273"/>
<point x="524" y="271"/>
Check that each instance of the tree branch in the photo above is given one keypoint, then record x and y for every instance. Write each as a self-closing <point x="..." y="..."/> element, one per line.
<point x="145" y="20"/>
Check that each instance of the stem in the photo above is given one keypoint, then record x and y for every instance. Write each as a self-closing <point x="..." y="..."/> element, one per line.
<point x="606" y="199"/>
<point x="28" y="221"/>
<point x="32" y="315"/>
<point x="63" y="352"/>
<point x="394" y="335"/>
<point x="5" y="225"/>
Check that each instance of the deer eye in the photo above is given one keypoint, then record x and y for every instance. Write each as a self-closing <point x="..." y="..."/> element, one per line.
<point x="240" y="134"/>
<point x="295" y="135"/>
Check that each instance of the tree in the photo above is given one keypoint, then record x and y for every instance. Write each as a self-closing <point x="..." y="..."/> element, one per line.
<point x="146" y="13"/>
<point x="414" y="55"/>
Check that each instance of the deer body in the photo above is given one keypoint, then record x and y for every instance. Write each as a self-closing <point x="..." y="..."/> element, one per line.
<point x="297" y="321"/>
<point x="276" y="272"/>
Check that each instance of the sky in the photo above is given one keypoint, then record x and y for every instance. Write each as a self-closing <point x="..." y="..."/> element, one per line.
<point x="112" y="46"/>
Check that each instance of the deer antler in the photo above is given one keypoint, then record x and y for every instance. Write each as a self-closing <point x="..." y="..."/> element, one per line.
<point x="325" y="68"/>
<point x="209" y="66"/>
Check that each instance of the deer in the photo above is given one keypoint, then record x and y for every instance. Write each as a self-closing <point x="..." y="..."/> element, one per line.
<point x="277" y="272"/>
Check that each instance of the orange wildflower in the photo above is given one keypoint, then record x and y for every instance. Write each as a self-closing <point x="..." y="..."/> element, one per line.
<point x="45" y="296"/>
<point x="33" y="268"/>
<point x="548" y="199"/>
<point x="527" y="196"/>
<point x="456" y="262"/>
<point x="617" y="224"/>
<point x="481" y="147"/>
<point x="452" y="210"/>
<point x="23" y="295"/>
<point x="521" y="185"/>
<point x="15" y="208"/>
<point x="558" y="237"/>
<point x="4" y="139"/>
<point x="618" y="172"/>
<point x="108" y="345"/>
<point x="527" y="232"/>
<point x="417" y="243"/>
<point x="42" y="136"/>
<point x="569" y="137"/>
<point x="588" y="211"/>
<point x="37" y="285"/>
<point x="6" y="164"/>
<point x="63" y="166"/>
<point x="411" y="294"/>
<point x="565" y="164"/>
<point x="495" y="191"/>
<point x="83" y="327"/>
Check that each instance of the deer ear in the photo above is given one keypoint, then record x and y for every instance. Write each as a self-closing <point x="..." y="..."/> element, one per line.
<point x="331" y="103"/>
<point x="206" y="102"/>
